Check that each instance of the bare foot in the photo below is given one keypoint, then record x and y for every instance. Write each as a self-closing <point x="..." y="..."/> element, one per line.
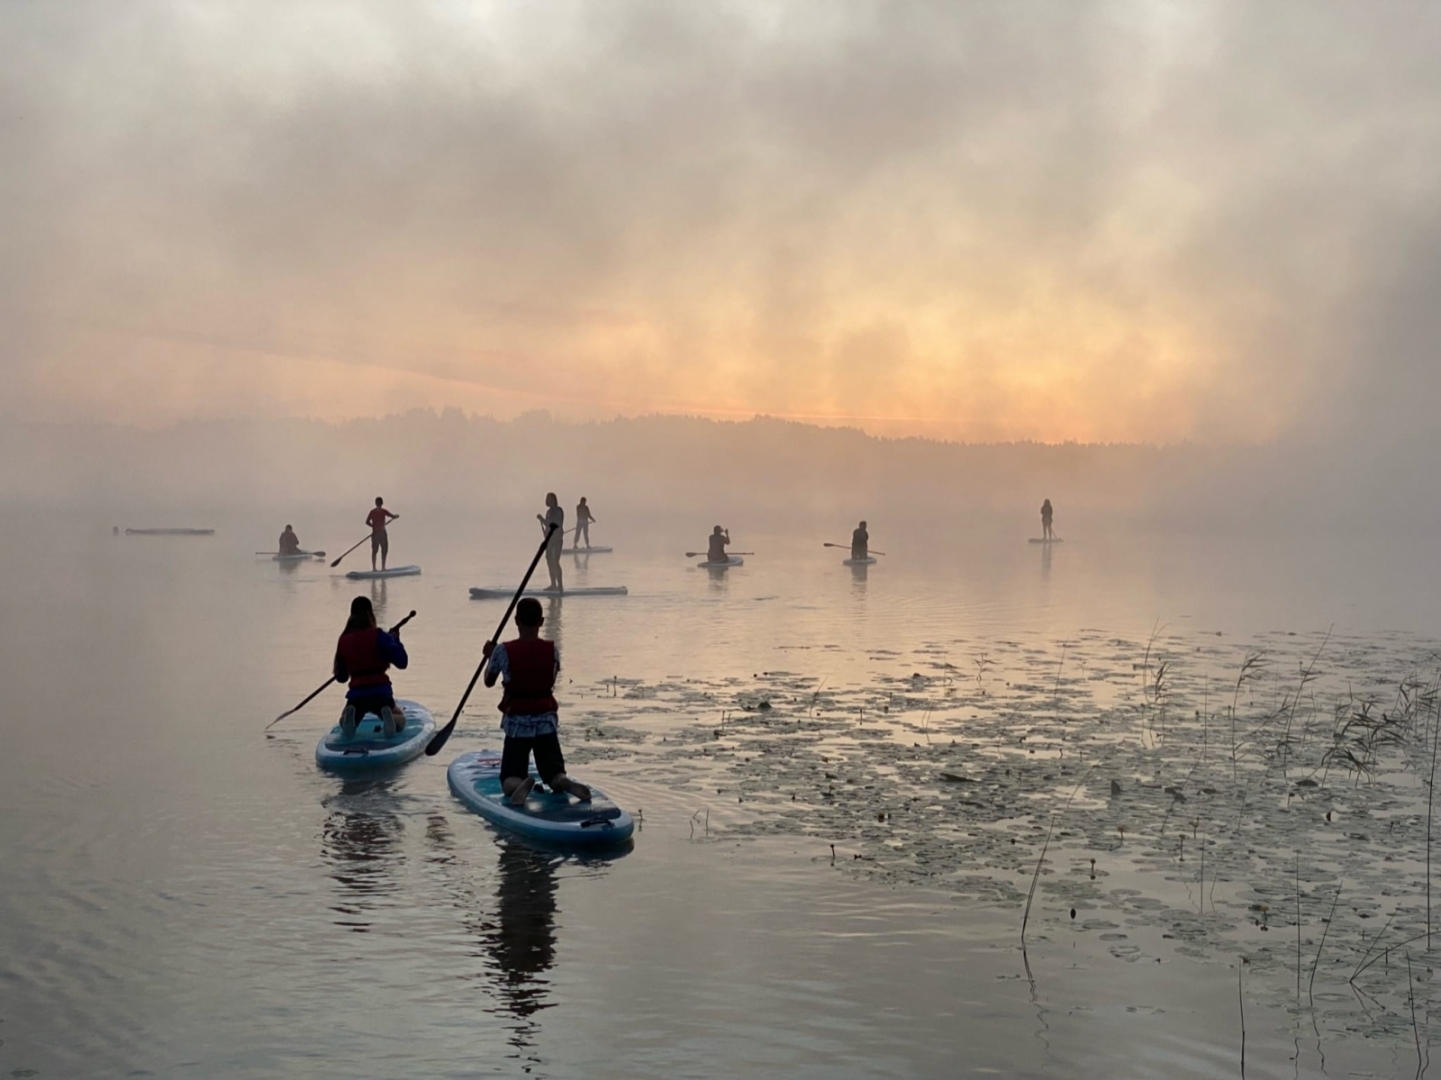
<point x="566" y="784"/>
<point x="521" y="792"/>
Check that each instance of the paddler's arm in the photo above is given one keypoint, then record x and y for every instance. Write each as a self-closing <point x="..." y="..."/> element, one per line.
<point x="391" y="648"/>
<point x="339" y="670"/>
<point x="492" y="671"/>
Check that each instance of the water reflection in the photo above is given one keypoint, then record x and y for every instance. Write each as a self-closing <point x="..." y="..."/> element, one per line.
<point x="554" y="625"/>
<point x="361" y="845"/>
<point x="1045" y="564"/>
<point x="719" y="578"/>
<point x="859" y="576"/>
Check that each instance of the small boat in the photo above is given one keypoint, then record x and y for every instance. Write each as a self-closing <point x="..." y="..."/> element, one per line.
<point x="503" y="592"/>
<point x="550" y="816"/>
<point x="867" y="561"/>
<point x="369" y="748"/>
<point x="733" y="560"/>
<point x="587" y="551"/>
<point x="169" y="532"/>
<point x="395" y="571"/>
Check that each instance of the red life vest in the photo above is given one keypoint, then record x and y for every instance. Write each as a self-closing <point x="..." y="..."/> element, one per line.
<point x="532" y="678"/>
<point x="362" y="658"/>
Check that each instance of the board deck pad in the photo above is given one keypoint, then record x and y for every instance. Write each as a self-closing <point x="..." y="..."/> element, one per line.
<point x="369" y="748"/>
<point x="474" y="778"/>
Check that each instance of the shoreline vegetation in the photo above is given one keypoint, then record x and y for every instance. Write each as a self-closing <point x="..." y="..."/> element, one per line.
<point x="1265" y="803"/>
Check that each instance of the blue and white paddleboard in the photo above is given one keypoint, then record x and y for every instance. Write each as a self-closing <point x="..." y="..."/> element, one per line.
<point x="547" y="815"/>
<point x="505" y="592"/>
<point x="370" y="749"/>
<point x="370" y="575"/>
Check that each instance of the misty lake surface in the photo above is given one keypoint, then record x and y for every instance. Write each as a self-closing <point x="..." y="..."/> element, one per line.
<point x="840" y="815"/>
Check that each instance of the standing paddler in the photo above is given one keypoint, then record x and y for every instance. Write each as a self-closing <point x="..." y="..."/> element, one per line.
<point x="860" y="544"/>
<point x="527" y="667"/>
<point x="363" y="655"/>
<point x="1046" y="515"/>
<point x="583" y="518"/>
<point x="553" y="515"/>
<point x="377" y="519"/>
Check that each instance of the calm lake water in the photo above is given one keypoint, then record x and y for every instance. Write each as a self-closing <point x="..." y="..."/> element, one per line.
<point x="185" y="896"/>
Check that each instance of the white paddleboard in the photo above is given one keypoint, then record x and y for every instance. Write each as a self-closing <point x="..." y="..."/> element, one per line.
<point x="395" y="571"/>
<point x="587" y="551"/>
<point x="867" y="561"/>
<point x="369" y="748"/>
<point x="169" y="532"/>
<point x="733" y="560"/>
<point x="299" y="556"/>
<point x="503" y="592"/>
<point x="1043" y="540"/>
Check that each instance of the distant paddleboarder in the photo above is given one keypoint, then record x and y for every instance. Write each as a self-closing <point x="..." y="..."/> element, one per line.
<point x="553" y="515"/>
<point x="1046" y="513"/>
<point x="289" y="543"/>
<point x="527" y="667"/>
<point x="363" y="655"/>
<point x="716" y="550"/>
<point x="583" y="518"/>
<point x="378" y="519"/>
<point x="860" y="543"/>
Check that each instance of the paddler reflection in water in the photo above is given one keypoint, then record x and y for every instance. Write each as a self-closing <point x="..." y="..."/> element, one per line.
<point x="716" y="552"/>
<point x="527" y="667"/>
<point x="860" y="543"/>
<point x="362" y="657"/>
<point x="289" y="542"/>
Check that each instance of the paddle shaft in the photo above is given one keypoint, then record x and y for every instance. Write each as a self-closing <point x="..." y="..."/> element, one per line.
<point x="355" y="545"/>
<point x="443" y="735"/>
<point x="847" y="547"/>
<point x="394" y="630"/>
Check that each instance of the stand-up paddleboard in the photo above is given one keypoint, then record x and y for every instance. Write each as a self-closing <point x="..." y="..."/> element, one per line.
<point x="299" y="556"/>
<point x="733" y="560"/>
<point x="370" y="749"/>
<point x="169" y="532"/>
<point x="867" y="561"/>
<point x="394" y="571"/>
<point x="505" y="592"/>
<point x="547" y="815"/>
<point x="1043" y="540"/>
<point x="587" y="551"/>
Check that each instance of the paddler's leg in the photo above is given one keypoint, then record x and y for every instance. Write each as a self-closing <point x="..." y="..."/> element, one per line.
<point x="348" y="720"/>
<point x="550" y="763"/>
<point x="515" y="778"/>
<point x="384" y="548"/>
<point x="374" y="548"/>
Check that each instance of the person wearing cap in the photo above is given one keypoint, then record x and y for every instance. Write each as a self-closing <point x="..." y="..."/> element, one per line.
<point x="527" y="667"/>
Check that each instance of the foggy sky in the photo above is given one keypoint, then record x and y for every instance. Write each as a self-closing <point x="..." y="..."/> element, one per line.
<point x="1103" y="221"/>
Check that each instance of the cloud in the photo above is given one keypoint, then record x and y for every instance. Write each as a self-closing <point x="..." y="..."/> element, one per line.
<point x="1033" y="220"/>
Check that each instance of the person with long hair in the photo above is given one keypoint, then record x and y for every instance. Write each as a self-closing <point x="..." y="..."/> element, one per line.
<point x="363" y="655"/>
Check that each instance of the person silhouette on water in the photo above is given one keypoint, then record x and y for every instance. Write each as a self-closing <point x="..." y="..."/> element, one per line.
<point x="363" y="655"/>
<point x="1046" y="512"/>
<point x="377" y="519"/>
<point x="716" y="550"/>
<point x="860" y="543"/>
<point x="583" y="518"/>
<point x="289" y="542"/>
<point x="553" y="515"/>
<point x="527" y="667"/>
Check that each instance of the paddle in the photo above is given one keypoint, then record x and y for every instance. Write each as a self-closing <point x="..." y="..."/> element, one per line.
<point x="394" y="629"/>
<point x="698" y="554"/>
<point x="348" y="550"/>
<point x="847" y="547"/>
<point x="443" y="735"/>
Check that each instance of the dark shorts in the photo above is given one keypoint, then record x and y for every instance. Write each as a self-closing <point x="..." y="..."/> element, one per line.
<point x="371" y="705"/>
<point x="515" y="757"/>
<point x="380" y="542"/>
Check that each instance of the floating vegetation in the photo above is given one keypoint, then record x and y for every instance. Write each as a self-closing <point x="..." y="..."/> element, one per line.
<point x="1086" y="776"/>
